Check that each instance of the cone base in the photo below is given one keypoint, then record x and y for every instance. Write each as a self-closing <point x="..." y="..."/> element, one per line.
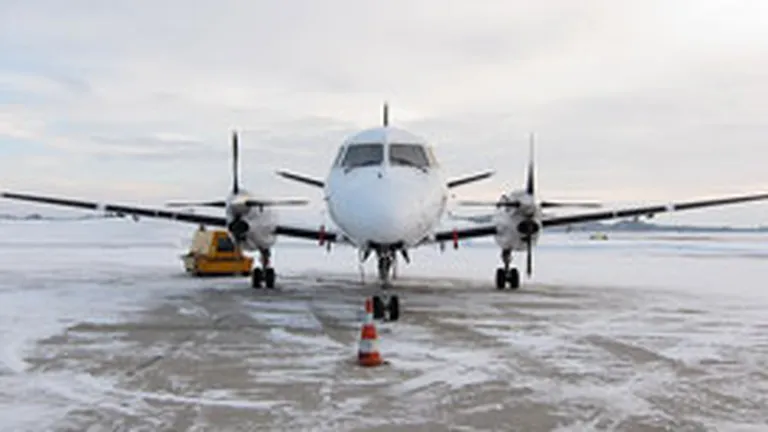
<point x="369" y="360"/>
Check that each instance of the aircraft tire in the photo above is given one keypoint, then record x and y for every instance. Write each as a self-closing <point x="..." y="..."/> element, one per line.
<point x="501" y="278"/>
<point x="514" y="279"/>
<point x="378" y="308"/>
<point x="269" y="277"/>
<point x="256" y="278"/>
<point x="394" y="308"/>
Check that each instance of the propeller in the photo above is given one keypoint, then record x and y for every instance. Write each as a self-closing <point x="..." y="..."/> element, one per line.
<point x="529" y="186"/>
<point x="235" y="164"/>
<point x="530" y="190"/>
<point x="529" y="256"/>
<point x="248" y="203"/>
<point x="550" y="204"/>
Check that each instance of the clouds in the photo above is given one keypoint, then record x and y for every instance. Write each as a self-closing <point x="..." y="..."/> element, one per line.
<point x="652" y="97"/>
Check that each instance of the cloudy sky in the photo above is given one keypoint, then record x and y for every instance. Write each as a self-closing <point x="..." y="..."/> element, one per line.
<point x="631" y="100"/>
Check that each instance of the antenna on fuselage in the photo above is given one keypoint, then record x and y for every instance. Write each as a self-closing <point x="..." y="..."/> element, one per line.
<point x="385" y="114"/>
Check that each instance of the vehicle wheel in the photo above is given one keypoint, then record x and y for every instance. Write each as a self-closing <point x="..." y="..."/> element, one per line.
<point x="394" y="308"/>
<point x="269" y="277"/>
<point x="501" y="278"/>
<point x="514" y="279"/>
<point x="378" y="308"/>
<point x="256" y="278"/>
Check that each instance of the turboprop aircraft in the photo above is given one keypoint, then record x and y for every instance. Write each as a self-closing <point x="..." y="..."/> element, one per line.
<point x="386" y="192"/>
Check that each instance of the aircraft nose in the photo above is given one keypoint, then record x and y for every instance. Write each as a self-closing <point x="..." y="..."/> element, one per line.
<point x="388" y="216"/>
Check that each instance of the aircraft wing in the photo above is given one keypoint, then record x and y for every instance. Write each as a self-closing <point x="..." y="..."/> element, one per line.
<point x="121" y="209"/>
<point x="488" y="230"/>
<point x="319" y="235"/>
<point x="649" y="210"/>
<point x="465" y="233"/>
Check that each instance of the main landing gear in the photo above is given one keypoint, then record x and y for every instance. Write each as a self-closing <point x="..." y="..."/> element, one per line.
<point x="386" y="307"/>
<point x="264" y="274"/>
<point x="506" y="275"/>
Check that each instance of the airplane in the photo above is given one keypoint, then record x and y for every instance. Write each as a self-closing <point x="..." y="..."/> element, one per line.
<point x="386" y="193"/>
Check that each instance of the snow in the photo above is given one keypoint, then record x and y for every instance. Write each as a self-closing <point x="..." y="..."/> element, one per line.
<point x="614" y="325"/>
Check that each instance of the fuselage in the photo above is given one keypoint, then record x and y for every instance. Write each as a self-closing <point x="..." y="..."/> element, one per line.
<point x="385" y="188"/>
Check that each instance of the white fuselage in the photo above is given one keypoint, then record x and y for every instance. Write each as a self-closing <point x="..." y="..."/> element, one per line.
<point x="385" y="203"/>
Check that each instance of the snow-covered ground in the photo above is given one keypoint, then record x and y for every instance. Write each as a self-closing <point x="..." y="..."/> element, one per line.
<point x="100" y="329"/>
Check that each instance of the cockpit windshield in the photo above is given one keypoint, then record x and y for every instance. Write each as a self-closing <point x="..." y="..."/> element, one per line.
<point x="359" y="155"/>
<point x="408" y="155"/>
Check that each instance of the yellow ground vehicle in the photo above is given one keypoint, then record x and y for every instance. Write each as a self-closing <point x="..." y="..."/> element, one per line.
<point x="214" y="253"/>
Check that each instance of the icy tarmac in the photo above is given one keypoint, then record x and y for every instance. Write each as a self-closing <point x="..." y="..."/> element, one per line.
<point x="102" y="331"/>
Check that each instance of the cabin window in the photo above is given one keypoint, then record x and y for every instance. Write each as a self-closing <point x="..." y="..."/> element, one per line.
<point x="359" y="155"/>
<point x="225" y="244"/>
<point x="408" y="155"/>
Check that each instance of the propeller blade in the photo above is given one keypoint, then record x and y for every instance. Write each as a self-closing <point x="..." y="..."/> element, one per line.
<point x="549" y="204"/>
<point x="529" y="257"/>
<point x="235" y="164"/>
<point x="530" y="188"/>
<point x="276" y="202"/>
<point x="489" y="203"/>
<point x="217" y="203"/>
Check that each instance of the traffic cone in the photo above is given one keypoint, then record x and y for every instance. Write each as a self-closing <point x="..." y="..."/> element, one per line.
<point x="368" y="350"/>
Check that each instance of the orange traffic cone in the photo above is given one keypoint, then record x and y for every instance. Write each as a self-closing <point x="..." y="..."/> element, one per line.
<point x="368" y="351"/>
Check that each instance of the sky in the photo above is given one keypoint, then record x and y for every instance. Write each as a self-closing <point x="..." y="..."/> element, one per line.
<point x="630" y="101"/>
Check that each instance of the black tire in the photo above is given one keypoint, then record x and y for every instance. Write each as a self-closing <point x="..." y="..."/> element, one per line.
<point x="394" y="308"/>
<point x="514" y="279"/>
<point x="269" y="277"/>
<point x="501" y="278"/>
<point x="378" y="308"/>
<point x="257" y="276"/>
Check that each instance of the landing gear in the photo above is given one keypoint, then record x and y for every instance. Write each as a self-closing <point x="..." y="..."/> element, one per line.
<point x="389" y="310"/>
<point x="506" y="275"/>
<point x="264" y="274"/>
<point x="386" y="260"/>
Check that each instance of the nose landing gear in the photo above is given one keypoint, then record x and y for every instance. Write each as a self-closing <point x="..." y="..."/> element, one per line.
<point x="386" y="310"/>
<point x="386" y="307"/>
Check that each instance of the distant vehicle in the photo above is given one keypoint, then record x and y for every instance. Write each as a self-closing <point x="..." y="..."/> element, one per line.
<point x="213" y="253"/>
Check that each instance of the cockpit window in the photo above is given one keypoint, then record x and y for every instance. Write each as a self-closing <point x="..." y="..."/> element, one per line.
<point x="359" y="155"/>
<point x="408" y="155"/>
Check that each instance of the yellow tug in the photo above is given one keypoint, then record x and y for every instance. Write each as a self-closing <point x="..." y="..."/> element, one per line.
<point x="213" y="253"/>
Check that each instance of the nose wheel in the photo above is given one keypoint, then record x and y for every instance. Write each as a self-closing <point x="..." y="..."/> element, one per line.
<point x="507" y="276"/>
<point x="386" y="309"/>
<point x="264" y="275"/>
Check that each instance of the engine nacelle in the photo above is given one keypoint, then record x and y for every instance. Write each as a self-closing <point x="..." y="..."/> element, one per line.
<point x="528" y="227"/>
<point x="514" y="229"/>
<point x="239" y="229"/>
<point x="253" y="230"/>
